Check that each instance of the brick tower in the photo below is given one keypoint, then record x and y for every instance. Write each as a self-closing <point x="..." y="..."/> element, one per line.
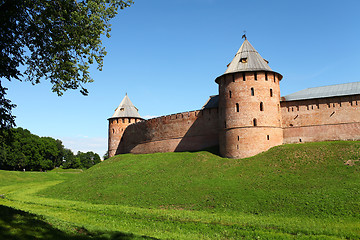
<point x="125" y="114"/>
<point x="249" y="105"/>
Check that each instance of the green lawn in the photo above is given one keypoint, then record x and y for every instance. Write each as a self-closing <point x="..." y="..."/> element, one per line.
<point x="296" y="191"/>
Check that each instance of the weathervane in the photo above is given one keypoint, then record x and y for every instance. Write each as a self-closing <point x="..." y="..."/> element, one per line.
<point x="244" y="36"/>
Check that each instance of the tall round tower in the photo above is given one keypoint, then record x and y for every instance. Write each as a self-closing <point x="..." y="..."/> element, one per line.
<point x="249" y="105"/>
<point x="125" y="114"/>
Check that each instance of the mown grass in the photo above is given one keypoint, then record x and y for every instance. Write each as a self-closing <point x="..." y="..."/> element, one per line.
<point x="290" y="180"/>
<point x="301" y="191"/>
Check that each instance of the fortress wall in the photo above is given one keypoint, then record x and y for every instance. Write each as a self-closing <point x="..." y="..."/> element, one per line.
<point x="187" y="131"/>
<point x="334" y="118"/>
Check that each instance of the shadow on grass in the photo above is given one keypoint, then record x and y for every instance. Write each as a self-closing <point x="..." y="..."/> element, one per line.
<point x="20" y="225"/>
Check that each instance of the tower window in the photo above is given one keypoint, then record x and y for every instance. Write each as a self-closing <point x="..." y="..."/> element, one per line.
<point x="113" y="131"/>
<point x="261" y="106"/>
<point x="237" y="107"/>
<point x="254" y="122"/>
<point x="252" y="92"/>
<point x="274" y="78"/>
<point x="271" y="92"/>
<point x="122" y="109"/>
<point x="255" y="76"/>
<point x="229" y="94"/>
<point x="225" y="124"/>
<point x="268" y="137"/>
<point x="238" y="138"/>
<point x="233" y="77"/>
<point x="243" y="76"/>
<point x="266" y="76"/>
<point x="243" y="60"/>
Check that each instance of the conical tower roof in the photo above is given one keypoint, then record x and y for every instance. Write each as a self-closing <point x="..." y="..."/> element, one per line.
<point x="126" y="109"/>
<point x="247" y="59"/>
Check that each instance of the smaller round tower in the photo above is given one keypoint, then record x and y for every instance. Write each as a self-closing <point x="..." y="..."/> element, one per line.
<point x="125" y="114"/>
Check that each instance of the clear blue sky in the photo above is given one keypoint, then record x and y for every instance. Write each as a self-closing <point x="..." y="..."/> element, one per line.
<point x="167" y="54"/>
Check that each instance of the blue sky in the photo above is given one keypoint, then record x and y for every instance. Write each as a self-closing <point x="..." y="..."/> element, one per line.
<point x="167" y="54"/>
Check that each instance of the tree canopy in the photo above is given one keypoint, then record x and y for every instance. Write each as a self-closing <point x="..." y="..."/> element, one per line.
<point x="55" y="40"/>
<point x="20" y="149"/>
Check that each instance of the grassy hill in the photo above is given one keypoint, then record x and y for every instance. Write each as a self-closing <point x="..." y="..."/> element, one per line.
<point x="297" y="191"/>
<point x="314" y="179"/>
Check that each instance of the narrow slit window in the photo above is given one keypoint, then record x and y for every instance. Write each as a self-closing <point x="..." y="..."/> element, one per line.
<point x="243" y="76"/>
<point x="225" y="124"/>
<point x="237" y="107"/>
<point x="261" y="106"/>
<point x="266" y="76"/>
<point x="233" y="77"/>
<point x="274" y="78"/>
<point x="229" y="94"/>
<point x="255" y="76"/>
<point x="268" y="137"/>
<point x="254" y="122"/>
<point x="238" y="138"/>
<point x="252" y="92"/>
<point x="271" y="92"/>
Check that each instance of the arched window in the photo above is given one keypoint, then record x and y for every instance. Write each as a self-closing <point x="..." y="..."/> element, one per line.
<point x="237" y="107"/>
<point x="252" y="92"/>
<point x="254" y="122"/>
<point x="271" y="92"/>
<point x="261" y="106"/>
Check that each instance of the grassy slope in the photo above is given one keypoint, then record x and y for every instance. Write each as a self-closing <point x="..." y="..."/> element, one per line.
<point x="302" y="191"/>
<point x="289" y="180"/>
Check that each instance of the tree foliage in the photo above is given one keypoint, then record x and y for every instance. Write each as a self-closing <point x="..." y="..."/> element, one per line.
<point x="55" y="40"/>
<point x="19" y="150"/>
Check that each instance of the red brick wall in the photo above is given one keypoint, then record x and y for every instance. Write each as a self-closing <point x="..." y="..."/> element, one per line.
<point x="335" y="118"/>
<point x="188" y="131"/>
